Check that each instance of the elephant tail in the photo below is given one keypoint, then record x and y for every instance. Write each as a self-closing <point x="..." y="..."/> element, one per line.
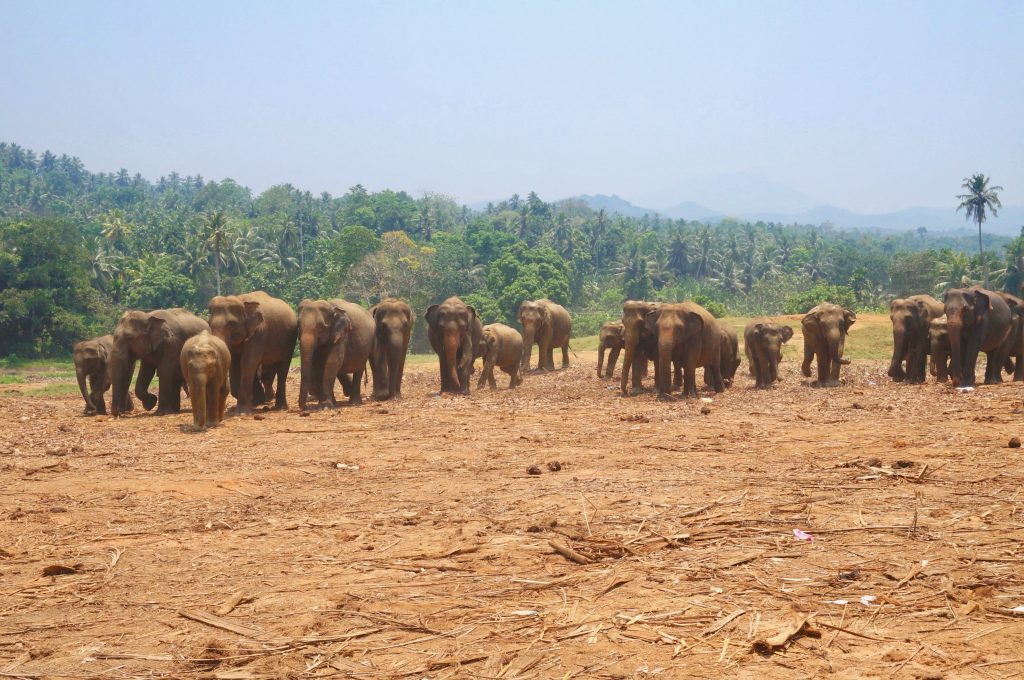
<point x="573" y="352"/>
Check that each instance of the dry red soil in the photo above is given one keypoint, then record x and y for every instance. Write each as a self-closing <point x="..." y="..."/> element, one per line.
<point x="407" y="539"/>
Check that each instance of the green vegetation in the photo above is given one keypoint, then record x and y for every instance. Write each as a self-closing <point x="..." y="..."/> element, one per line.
<point x="77" y="248"/>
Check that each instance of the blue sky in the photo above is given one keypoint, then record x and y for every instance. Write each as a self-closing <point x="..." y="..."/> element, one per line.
<point x="872" y="106"/>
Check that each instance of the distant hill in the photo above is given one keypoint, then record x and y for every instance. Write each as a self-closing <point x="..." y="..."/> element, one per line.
<point x="613" y="204"/>
<point x="1009" y="222"/>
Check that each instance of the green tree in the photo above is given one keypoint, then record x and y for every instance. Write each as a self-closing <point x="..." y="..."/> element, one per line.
<point x="215" y="228"/>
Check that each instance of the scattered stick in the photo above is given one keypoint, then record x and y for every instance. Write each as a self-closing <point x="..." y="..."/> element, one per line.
<point x="229" y="604"/>
<point x="568" y="553"/>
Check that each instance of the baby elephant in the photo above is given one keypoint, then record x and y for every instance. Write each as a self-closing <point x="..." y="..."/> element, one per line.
<point x="611" y="338"/>
<point x="763" y="344"/>
<point x="504" y="350"/>
<point x="91" y="358"/>
<point x="205" y="361"/>
<point x="938" y="341"/>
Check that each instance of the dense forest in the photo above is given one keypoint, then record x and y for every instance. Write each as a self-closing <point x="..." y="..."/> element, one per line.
<point x="77" y="248"/>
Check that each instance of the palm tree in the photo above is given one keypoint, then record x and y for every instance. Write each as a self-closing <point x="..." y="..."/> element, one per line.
<point x="116" y="228"/>
<point x="215" y="226"/>
<point x="954" y="270"/>
<point x="980" y="197"/>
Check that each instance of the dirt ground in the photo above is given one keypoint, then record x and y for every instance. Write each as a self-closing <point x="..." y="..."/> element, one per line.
<point x="407" y="539"/>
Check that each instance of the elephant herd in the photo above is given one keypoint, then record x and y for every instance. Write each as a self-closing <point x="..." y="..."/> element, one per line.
<point x="678" y="338"/>
<point x="953" y="332"/>
<point x="247" y="345"/>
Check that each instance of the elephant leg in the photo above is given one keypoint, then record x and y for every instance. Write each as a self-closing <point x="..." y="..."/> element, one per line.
<point x="346" y="384"/>
<point x="1018" y="370"/>
<point x="355" y="396"/>
<point x="824" y="368"/>
<point x="235" y="373"/>
<point x="716" y="382"/>
<point x="565" y="355"/>
<point x="994" y="366"/>
<point x="689" y="379"/>
<point x="613" y="358"/>
<point x="99" y="385"/>
<point x="488" y="368"/>
<point x="600" y="359"/>
<point x="146" y="373"/>
<point x="281" y="395"/>
<point x="805" y="367"/>
<point x="170" y="388"/>
<point x="249" y="387"/>
<point x="677" y="376"/>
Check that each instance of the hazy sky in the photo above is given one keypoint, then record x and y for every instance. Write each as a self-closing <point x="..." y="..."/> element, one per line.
<point x="872" y="106"/>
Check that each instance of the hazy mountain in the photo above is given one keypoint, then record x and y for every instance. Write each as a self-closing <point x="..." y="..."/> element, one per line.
<point x="614" y="204"/>
<point x="1009" y="222"/>
<point x="688" y="210"/>
<point x="739" y="193"/>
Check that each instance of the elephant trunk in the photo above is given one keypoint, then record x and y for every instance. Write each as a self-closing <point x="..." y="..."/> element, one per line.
<point x="307" y="347"/>
<point x="955" y="328"/>
<point x="121" y="368"/>
<point x="663" y="373"/>
<point x="395" y="352"/>
<point x="899" y="351"/>
<point x="452" y="341"/>
<point x="80" y="374"/>
<point x="529" y="334"/>
<point x="773" y="367"/>
<point x="198" y="396"/>
<point x="333" y="365"/>
<point x="834" y="338"/>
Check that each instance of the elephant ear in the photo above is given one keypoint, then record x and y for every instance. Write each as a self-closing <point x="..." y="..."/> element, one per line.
<point x="810" y="319"/>
<point x="787" y="333"/>
<point x="694" y="324"/>
<point x="849" y="317"/>
<point x="651" y="321"/>
<point x="431" y="315"/>
<point x="158" y="332"/>
<point x="758" y="329"/>
<point x="376" y="312"/>
<point x="253" y="318"/>
<point x="409" y="316"/>
<point x="341" y="325"/>
<point x="546" y="313"/>
<point x="982" y="304"/>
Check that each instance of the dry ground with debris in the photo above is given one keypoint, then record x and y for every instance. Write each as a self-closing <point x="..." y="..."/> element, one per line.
<point x="408" y="540"/>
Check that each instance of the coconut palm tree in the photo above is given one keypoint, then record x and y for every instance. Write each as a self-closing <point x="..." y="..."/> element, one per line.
<point x="979" y="199"/>
<point x="116" y="228"/>
<point x="954" y="271"/>
<point x="215" y="228"/>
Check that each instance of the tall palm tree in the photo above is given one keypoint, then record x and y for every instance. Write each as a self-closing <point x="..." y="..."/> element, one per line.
<point x="979" y="199"/>
<point x="215" y="227"/>
<point x="116" y="228"/>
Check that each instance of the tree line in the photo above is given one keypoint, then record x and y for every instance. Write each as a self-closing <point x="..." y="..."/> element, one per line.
<point x="77" y="248"/>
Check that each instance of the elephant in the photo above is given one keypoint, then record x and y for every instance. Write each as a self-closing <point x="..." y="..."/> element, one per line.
<point x="687" y="336"/>
<point x="978" y="320"/>
<point x="206" y="367"/>
<point x="91" y="359"/>
<point x="638" y="343"/>
<point x="729" y="360"/>
<point x="336" y="339"/>
<point x="456" y="335"/>
<point x="504" y="349"/>
<point x="610" y="337"/>
<point x="393" y="320"/>
<point x="260" y="332"/>
<point x="825" y="328"/>
<point x="911" y="317"/>
<point x="549" y="325"/>
<point x="938" y="343"/>
<point x="154" y="339"/>
<point x="1015" y="339"/>
<point x="763" y="343"/>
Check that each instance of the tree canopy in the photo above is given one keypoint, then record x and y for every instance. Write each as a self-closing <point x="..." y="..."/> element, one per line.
<point x="77" y="247"/>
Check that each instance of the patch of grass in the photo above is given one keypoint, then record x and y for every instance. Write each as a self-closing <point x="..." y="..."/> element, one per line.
<point x="10" y="379"/>
<point x="56" y="389"/>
